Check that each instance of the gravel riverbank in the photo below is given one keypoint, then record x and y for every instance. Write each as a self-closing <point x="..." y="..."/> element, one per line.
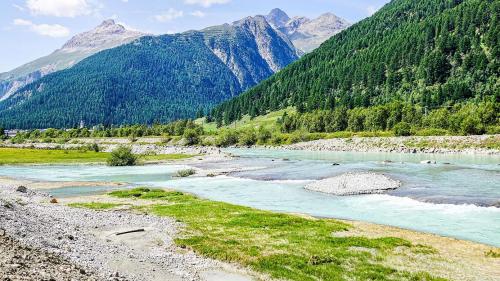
<point x="19" y="262"/>
<point x="443" y="144"/>
<point x="87" y="240"/>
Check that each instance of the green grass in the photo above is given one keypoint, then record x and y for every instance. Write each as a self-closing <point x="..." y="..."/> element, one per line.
<point x="283" y="246"/>
<point x="165" y="157"/>
<point x="267" y="121"/>
<point x="46" y="156"/>
<point x="493" y="254"/>
<point x="186" y="173"/>
<point x="13" y="156"/>
<point x="95" y="205"/>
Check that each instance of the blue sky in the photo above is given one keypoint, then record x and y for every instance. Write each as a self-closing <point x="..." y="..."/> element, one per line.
<point x="33" y="28"/>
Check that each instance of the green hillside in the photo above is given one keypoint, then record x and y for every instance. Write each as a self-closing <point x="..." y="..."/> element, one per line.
<point x="423" y="56"/>
<point x="153" y="79"/>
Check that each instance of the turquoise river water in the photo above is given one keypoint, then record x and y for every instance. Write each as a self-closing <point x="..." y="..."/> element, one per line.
<point x="457" y="197"/>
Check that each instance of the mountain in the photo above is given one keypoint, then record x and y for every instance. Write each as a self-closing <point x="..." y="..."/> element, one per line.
<point x="277" y="18"/>
<point x="431" y="53"/>
<point x="251" y="48"/>
<point x="154" y="78"/>
<point x="307" y="34"/>
<point x="107" y="35"/>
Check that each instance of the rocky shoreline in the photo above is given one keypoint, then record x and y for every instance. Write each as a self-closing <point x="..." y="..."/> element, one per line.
<point x="480" y="145"/>
<point x="439" y="145"/>
<point x="19" y="262"/>
<point x="87" y="240"/>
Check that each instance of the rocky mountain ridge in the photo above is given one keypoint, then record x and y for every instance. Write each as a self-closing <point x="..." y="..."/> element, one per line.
<point x="105" y="36"/>
<point x="307" y="34"/>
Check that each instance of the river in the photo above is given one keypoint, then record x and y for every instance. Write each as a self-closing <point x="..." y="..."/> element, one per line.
<point x="455" y="197"/>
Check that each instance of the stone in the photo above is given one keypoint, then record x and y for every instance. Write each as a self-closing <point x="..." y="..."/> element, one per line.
<point x="53" y="201"/>
<point x="22" y="189"/>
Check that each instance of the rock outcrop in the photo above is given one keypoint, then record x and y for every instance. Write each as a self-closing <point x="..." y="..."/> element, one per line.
<point x="307" y="34"/>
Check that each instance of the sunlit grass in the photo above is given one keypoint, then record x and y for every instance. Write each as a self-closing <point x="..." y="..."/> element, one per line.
<point x="13" y="156"/>
<point x="95" y="205"/>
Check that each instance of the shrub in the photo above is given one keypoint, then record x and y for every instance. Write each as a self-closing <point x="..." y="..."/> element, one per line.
<point x="90" y="147"/>
<point x="297" y="136"/>
<point x="402" y="129"/>
<point x="431" y="132"/>
<point x="191" y="136"/>
<point x="248" y="137"/>
<point x="471" y="125"/>
<point x="47" y="140"/>
<point x="263" y="135"/>
<point x="493" y="130"/>
<point x="186" y="173"/>
<point x="122" y="156"/>
<point x="278" y="139"/>
<point x="226" y="138"/>
<point x="3" y="136"/>
<point x="19" y="138"/>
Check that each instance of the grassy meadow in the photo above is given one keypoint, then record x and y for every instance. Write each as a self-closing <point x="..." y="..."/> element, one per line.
<point x="13" y="156"/>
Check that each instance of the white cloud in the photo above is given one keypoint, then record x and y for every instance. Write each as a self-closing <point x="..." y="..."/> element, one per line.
<point x="51" y="30"/>
<point x="206" y="3"/>
<point x="22" y="22"/>
<point x="198" y="14"/>
<point x="62" y="8"/>
<point x="371" y="10"/>
<point x="169" y="15"/>
<point x="20" y="8"/>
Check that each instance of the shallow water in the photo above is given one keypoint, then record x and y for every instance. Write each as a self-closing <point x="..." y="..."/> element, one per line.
<point x="448" y="199"/>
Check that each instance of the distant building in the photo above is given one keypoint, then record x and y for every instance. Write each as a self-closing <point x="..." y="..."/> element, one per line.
<point x="11" y="133"/>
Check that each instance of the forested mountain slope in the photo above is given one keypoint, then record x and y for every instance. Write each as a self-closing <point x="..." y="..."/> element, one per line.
<point x="431" y="53"/>
<point x="153" y="79"/>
